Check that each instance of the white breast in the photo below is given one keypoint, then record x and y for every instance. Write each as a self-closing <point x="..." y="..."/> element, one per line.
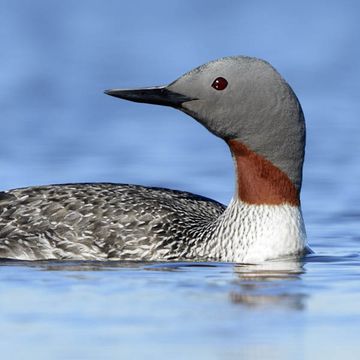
<point x="254" y="233"/>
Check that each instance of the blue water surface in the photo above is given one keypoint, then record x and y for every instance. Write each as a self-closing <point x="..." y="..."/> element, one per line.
<point x="56" y="126"/>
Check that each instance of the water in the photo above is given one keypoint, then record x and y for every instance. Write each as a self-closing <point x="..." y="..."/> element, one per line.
<point x="57" y="126"/>
<point x="216" y="311"/>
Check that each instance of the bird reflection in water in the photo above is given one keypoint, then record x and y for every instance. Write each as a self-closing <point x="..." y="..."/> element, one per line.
<point x="270" y="284"/>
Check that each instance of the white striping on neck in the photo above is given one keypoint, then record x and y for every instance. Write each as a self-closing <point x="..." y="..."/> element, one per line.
<point x="250" y="233"/>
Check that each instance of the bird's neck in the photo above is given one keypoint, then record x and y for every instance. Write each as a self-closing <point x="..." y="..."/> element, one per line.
<point x="264" y="220"/>
<point x="260" y="182"/>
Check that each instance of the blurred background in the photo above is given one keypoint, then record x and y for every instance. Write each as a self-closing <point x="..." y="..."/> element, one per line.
<point x="57" y="126"/>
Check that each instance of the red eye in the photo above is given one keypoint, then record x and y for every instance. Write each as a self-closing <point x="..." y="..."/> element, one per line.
<point x="219" y="83"/>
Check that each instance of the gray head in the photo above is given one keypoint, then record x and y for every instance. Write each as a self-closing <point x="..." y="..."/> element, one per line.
<point x="243" y="99"/>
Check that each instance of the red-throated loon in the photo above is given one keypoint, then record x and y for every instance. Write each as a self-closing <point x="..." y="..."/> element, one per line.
<point x="240" y="99"/>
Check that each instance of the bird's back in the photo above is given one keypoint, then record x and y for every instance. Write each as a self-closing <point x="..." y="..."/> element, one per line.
<point x="101" y="221"/>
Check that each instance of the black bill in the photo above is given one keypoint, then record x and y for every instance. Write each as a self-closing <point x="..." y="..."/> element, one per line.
<point x="153" y="95"/>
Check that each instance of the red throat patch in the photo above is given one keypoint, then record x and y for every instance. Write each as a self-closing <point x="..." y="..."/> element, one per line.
<point x="259" y="181"/>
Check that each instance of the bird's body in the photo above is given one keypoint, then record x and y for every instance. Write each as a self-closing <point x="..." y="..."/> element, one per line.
<point x="131" y="222"/>
<point x="102" y="221"/>
<point x="255" y="112"/>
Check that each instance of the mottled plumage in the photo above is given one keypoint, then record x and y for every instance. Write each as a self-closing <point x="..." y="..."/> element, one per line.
<point x="101" y="221"/>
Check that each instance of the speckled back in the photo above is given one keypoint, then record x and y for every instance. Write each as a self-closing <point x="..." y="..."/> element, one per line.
<point x="101" y="221"/>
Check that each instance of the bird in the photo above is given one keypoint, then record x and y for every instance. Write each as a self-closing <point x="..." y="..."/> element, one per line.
<point x="242" y="100"/>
